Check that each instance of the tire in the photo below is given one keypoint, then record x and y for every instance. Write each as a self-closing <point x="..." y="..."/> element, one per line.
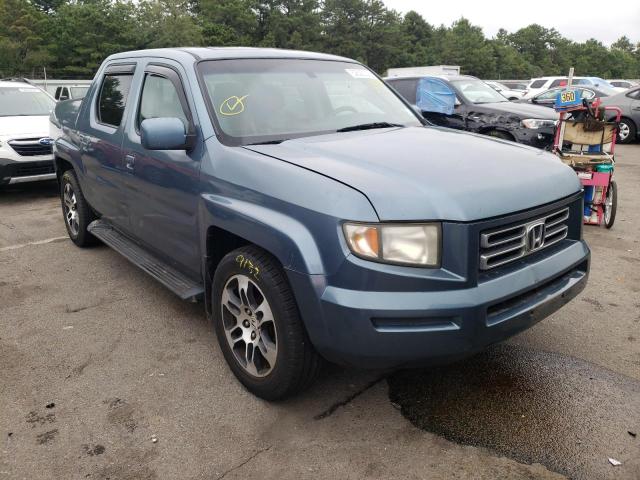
<point x="281" y="360"/>
<point x="627" y="125"/>
<point x="76" y="212"/>
<point x="611" y="203"/>
<point x="500" y="134"/>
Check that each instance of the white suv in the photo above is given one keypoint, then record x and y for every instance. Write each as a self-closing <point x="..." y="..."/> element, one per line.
<point x="25" y="146"/>
<point x="542" y="84"/>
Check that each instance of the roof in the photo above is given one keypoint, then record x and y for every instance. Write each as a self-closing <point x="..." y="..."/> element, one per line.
<point x="556" y="77"/>
<point x="219" y="53"/>
<point x="443" y="77"/>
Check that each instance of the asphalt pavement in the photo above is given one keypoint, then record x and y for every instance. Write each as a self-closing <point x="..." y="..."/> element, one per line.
<point x="104" y="374"/>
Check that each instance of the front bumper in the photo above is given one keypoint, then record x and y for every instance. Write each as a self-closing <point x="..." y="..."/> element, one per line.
<point x="12" y="171"/>
<point x="535" y="137"/>
<point x="381" y="316"/>
<point x="373" y="329"/>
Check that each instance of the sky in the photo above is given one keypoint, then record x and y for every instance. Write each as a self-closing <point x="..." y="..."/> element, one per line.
<point x="578" y="21"/>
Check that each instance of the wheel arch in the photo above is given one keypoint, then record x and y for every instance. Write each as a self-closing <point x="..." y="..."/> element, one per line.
<point x="61" y="165"/>
<point x="488" y="130"/>
<point x="228" y="224"/>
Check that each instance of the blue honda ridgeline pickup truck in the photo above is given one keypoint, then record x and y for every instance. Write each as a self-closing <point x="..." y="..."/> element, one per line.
<point x="313" y="211"/>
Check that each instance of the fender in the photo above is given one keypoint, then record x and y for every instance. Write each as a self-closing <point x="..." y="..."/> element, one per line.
<point x="285" y="237"/>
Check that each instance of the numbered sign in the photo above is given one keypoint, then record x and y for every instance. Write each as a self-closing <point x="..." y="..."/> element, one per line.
<point x="567" y="99"/>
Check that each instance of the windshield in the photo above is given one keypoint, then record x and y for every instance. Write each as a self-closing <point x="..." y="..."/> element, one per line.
<point x="270" y="100"/>
<point x="476" y="91"/>
<point x="24" y="101"/>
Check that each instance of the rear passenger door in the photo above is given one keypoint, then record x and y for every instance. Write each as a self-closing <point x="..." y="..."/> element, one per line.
<point x="163" y="184"/>
<point x="100" y="142"/>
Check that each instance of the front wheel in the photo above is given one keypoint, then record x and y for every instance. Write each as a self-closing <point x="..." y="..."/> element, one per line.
<point x="610" y="205"/>
<point x="500" y="134"/>
<point x="258" y="325"/>
<point x="77" y="212"/>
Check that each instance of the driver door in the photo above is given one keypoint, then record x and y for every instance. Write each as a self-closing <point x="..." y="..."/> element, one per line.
<point x="163" y="185"/>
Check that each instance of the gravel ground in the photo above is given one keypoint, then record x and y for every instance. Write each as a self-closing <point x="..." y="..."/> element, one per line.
<point x="97" y="360"/>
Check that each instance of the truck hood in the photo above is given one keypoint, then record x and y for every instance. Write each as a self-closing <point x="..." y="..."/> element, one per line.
<point x="428" y="173"/>
<point x="521" y="110"/>
<point x="24" y="126"/>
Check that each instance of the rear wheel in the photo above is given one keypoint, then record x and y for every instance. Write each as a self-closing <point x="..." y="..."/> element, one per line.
<point x="258" y="325"/>
<point x="76" y="211"/>
<point x="626" y="131"/>
<point x="610" y="205"/>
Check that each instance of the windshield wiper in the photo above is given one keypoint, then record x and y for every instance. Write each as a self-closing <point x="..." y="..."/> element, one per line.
<point x="269" y="142"/>
<point x="369" y="126"/>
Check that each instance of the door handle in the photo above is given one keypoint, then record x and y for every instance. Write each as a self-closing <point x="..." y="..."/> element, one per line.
<point x="129" y="161"/>
<point x="84" y="141"/>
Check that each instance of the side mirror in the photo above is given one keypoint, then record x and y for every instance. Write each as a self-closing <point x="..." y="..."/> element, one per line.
<point x="457" y="102"/>
<point x="164" y="133"/>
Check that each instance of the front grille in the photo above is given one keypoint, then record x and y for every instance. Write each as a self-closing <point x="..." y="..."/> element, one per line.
<point x="30" y="169"/>
<point x="506" y="244"/>
<point x="30" y="147"/>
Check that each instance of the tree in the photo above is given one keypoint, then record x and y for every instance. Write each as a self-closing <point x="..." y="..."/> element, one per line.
<point x="72" y="37"/>
<point x="466" y="45"/>
<point x="22" y="44"/>
<point x="168" y="23"/>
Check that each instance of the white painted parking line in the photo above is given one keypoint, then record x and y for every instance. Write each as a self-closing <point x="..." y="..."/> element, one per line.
<point x="38" y="242"/>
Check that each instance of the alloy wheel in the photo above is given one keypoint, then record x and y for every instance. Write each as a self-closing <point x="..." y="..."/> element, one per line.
<point x="249" y="326"/>
<point x="71" y="209"/>
<point x="623" y="131"/>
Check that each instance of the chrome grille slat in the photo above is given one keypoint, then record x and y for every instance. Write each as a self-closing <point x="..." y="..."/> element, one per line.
<point x="498" y="247"/>
<point x="30" y="147"/>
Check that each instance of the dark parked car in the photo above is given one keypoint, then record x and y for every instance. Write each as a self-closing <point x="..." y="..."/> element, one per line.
<point x="548" y="98"/>
<point x="313" y="212"/>
<point x="478" y="108"/>
<point x="629" y="103"/>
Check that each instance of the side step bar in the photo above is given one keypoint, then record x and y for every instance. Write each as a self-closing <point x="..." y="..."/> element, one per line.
<point x="175" y="281"/>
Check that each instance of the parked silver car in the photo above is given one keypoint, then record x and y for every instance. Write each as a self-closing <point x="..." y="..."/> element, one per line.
<point x="629" y="103"/>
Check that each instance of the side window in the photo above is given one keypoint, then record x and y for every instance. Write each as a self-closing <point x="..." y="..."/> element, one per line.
<point x="635" y="94"/>
<point x="559" y="82"/>
<point x="58" y="93"/>
<point x="537" y="84"/>
<point x="406" y="88"/>
<point x="113" y="98"/>
<point x="548" y="95"/>
<point x="160" y="99"/>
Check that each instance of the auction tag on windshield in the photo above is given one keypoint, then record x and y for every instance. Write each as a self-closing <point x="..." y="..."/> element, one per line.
<point x="359" y="73"/>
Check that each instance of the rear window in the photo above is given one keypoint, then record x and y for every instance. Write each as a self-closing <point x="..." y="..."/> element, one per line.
<point x="113" y="98"/>
<point x="24" y="101"/>
<point x="537" y="84"/>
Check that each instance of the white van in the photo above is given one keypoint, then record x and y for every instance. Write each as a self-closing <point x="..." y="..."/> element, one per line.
<point x="25" y="146"/>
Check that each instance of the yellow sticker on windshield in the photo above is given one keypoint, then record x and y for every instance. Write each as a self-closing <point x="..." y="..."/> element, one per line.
<point x="233" y="105"/>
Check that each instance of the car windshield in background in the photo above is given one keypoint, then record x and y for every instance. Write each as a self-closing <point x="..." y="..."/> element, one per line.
<point x="476" y="91"/>
<point x="24" y="101"/>
<point x="271" y="100"/>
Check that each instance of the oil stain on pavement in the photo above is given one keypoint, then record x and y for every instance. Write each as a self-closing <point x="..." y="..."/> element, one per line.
<point x="533" y="406"/>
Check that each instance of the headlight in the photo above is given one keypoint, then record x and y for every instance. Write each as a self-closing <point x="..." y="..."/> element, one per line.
<point x="537" y="123"/>
<point x="404" y="244"/>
